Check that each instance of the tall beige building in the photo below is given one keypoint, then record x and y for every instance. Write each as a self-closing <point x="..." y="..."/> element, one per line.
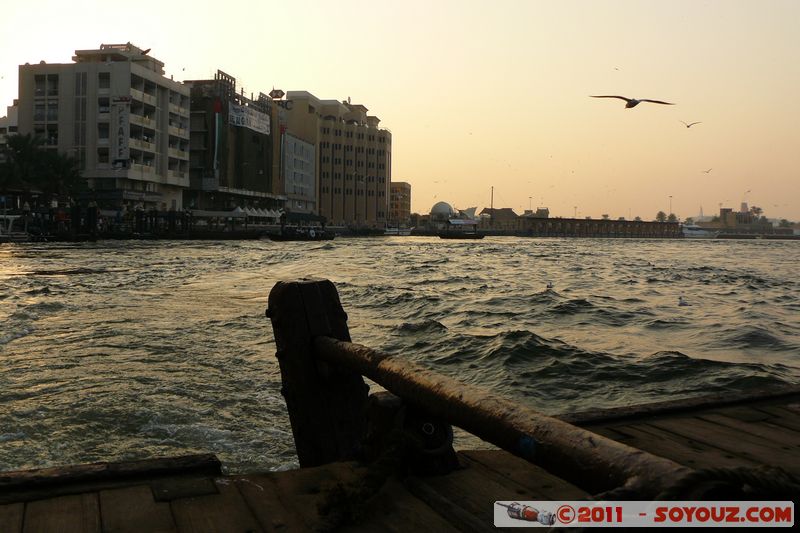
<point x="354" y="158"/>
<point x="115" y="111"/>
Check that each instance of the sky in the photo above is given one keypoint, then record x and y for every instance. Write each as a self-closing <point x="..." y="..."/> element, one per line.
<point x="481" y="95"/>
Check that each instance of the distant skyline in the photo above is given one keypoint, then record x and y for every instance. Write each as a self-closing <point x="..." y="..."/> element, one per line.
<point x="481" y="94"/>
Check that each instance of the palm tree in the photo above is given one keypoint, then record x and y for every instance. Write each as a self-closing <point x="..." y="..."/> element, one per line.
<point x="24" y="158"/>
<point x="61" y="176"/>
<point x="661" y="216"/>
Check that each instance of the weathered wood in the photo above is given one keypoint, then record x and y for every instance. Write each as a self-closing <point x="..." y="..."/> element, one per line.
<point x="66" y="514"/>
<point x="395" y="509"/>
<point x="683" y="405"/>
<point x="326" y="404"/>
<point x="588" y="460"/>
<point x="448" y="506"/>
<point x="47" y="477"/>
<point x="226" y="511"/>
<point x="173" y="488"/>
<point x="680" y="449"/>
<point x="132" y="510"/>
<point x="786" y="440"/>
<point x="782" y="417"/>
<point x="266" y="502"/>
<point x="751" y="447"/>
<point x="11" y="517"/>
<point x="506" y="468"/>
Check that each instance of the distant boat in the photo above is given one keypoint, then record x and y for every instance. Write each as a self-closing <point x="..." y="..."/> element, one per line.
<point x="291" y="233"/>
<point x="402" y="232"/>
<point x="693" y="231"/>
<point x="455" y="234"/>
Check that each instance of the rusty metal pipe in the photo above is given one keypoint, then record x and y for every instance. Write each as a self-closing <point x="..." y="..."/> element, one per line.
<point x="585" y="459"/>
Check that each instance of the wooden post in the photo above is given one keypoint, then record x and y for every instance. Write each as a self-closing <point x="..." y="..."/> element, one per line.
<point x="326" y="404"/>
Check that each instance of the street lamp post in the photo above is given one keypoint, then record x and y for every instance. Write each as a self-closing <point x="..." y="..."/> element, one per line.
<point x="530" y="203"/>
<point x="575" y="212"/>
<point x="670" y="204"/>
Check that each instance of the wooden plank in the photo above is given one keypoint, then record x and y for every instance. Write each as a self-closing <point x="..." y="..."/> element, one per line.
<point x="304" y="490"/>
<point x="395" y="509"/>
<point x="266" y="501"/>
<point x="11" y="517"/>
<point x="66" y="514"/>
<point x="743" y="413"/>
<point x="226" y="511"/>
<point x="683" y="450"/>
<point x="787" y="440"/>
<point x="783" y="393"/>
<point x="22" y="480"/>
<point x="449" y="507"/>
<point x="504" y="467"/>
<point x="168" y="489"/>
<point x="474" y="492"/>
<point x="133" y="509"/>
<point x="782" y="417"/>
<point x="741" y="444"/>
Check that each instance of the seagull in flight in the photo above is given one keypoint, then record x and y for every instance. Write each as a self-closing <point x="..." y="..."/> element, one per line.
<point x="632" y="102"/>
<point x="690" y="124"/>
<point x="707" y="171"/>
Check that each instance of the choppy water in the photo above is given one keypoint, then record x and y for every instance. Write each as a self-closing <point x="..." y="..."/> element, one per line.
<point x="123" y="350"/>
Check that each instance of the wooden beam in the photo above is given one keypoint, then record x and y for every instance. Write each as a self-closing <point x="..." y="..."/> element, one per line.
<point x="326" y="403"/>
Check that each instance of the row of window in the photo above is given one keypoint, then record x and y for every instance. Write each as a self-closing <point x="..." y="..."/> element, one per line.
<point x="349" y="134"/>
<point x="348" y="190"/>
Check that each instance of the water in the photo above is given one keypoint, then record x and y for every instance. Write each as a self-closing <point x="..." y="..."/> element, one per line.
<point x="126" y="350"/>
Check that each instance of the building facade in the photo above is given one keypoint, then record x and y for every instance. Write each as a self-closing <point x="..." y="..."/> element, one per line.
<point x="234" y="158"/>
<point x="353" y="158"/>
<point x="119" y="116"/>
<point x="298" y="164"/>
<point x="8" y="126"/>
<point x="399" y="203"/>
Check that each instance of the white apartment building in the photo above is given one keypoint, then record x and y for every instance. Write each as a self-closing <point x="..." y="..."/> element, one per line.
<point x="115" y="111"/>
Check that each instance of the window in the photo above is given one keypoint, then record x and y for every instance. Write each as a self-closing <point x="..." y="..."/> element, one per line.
<point x="52" y="85"/>
<point x="38" y="113"/>
<point x="103" y="105"/>
<point x="39" y="85"/>
<point x="102" y="155"/>
<point x="52" y="111"/>
<point x="102" y="130"/>
<point x="104" y="80"/>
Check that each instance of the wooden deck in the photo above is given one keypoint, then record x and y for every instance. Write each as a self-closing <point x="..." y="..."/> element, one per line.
<point x="194" y="496"/>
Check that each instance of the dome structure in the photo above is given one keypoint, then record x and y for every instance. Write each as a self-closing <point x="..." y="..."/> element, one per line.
<point x="442" y="211"/>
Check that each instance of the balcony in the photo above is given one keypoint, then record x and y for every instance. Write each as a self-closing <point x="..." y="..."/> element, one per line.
<point x="142" y="145"/>
<point x="178" y="110"/>
<point x="143" y="97"/>
<point x="142" y="121"/>
<point x="178" y="154"/>
<point x="177" y="131"/>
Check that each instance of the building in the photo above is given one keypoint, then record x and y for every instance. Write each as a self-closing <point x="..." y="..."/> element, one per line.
<point x="234" y="157"/>
<point x="115" y="111"/>
<point x="399" y="203"/>
<point x="8" y="126"/>
<point x="298" y="164"/>
<point x="503" y="218"/>
<point x="353" y="158"/>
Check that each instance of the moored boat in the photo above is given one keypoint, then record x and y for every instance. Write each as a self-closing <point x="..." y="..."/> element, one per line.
<point x="693" y="231"/>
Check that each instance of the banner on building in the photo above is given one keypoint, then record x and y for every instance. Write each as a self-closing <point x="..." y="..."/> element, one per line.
<point x="121" y="131"/>
<point x="247" y="117"/>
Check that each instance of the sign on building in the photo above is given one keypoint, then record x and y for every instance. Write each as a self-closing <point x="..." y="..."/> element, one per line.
<point x="122" y="131"/>
<point x="247" y="117"/>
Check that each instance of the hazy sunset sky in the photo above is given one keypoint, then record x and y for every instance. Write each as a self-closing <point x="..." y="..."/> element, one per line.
<point x="482" y="94"/>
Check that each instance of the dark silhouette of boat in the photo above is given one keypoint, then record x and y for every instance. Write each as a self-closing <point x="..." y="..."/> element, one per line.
<point x="455" y="234"/>
<point x="289" y="233"/>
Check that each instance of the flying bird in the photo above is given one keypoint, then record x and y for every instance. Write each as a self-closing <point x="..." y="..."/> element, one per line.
<point x="690" y="124"/>
<point x="707" y="171"/>
<point x="632" y="102"/>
